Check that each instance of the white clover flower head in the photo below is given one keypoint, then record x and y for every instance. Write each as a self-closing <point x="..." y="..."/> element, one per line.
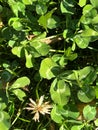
<point x="39" y="107"/>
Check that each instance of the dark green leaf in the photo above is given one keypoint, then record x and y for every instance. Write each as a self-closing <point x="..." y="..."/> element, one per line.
<point x="87" y="95"/>
<point x="6" y="76"/>
<point x="7" y="33"/>
<point x="1" y="8"/>
<point x="70" y="111"/>
<point x="3" y="100"/>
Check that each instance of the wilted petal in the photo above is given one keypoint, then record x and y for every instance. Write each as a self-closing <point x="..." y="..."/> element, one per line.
<point x="33" y="102"/>
<point x="36" y="117"/>
<point x="45" y="108"/>
<point x="29" y="108"/>
<point x="41" y="100"/>
<point x="45" y="111"/>
<point x="31" y="105"/>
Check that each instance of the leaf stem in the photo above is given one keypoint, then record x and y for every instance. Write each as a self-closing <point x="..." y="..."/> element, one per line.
<point x="59" y="51"/>
<point x="37" y="87"/>
<point x="18" y="114"/>
<point x="24" y="120"/>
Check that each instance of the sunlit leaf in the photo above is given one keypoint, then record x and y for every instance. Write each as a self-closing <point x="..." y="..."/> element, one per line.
<point x="94" y="3"/>
<point x="96" y="122"/>
<point x="17" y="50"/>
<point x="63" y="127"/>
<point x="60" y="92"/>
<point x="47" y="68"/>
<point x="44" y="18"/>
<point x="87" y="9"/>
<point x="11" y="43"/>
<point x="78" y="74"/>
<point x="20" y="83"/>
<point x="96" y="91"/>
<point x="83" y="73"/>
<point x="53" y="22"/>
<point x="20" y="94"/>
<point x="27" y="2"/>
<point x="29" y="59"/>
<point x="77" y="127"/>
<point x="89" y="32"/>
<point x="82" y="42"/>
<point x="21" y="7"/>
<point x="67" y="6"/>
<point x="89" y="112"/>
<point x="16" y="7"/>
<point x="41" y="47"/>
<point x="82" y="3"/>
<point x="95" y="20"/>
<point x="17" y="25"/>
<point x="56" y="116"/>
<point x="4" y="121"/>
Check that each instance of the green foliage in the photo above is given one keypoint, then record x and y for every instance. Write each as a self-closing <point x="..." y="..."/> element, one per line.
<point x="48" y="68"/>
<point x="44" y="19"/>
<point x="77" y="127"/>
<point x="60" y="92"/>
<point x="86" y="95"/>
<point x="27" y="2"/>
<point x="56" y="114"/>
<point x="19" y="83"/>
<point x="4" y="120"/>
<point x="67" y="7"/>
<point x="89" y="112"/>
<point x="49" y="48"/>
<point x="82" y="3"/>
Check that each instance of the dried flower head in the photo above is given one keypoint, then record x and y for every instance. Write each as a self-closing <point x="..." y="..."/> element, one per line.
<point x="39" y="107"/>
